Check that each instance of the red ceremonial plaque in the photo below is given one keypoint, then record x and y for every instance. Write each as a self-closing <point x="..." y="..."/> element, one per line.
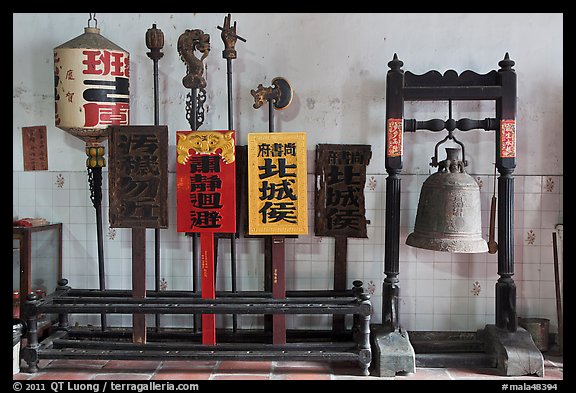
<point x="394" y="138"/>
<point x="206" y="200"/>
<point x="206" y="181"/>
<point x="507" y="138"/>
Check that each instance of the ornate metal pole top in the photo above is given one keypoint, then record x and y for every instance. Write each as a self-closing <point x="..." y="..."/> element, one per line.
<point x="154" y="42"/>
<point x="280" y="94"/>
<point x="263" y="94"/>
<point x="188" y="42"/>
<point x="229" y="37"/>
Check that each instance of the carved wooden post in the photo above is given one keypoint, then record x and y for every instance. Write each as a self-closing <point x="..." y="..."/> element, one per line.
<point x="363" y="336"/>
<point x="30" y="352"/>
<point x="506" y="162"/>
<point x="357" y="290"/>
<point x="393" y="162"/>
<point x="63" y="323"/>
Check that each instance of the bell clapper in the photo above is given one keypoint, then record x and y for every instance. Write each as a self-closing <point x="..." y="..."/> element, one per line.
<point x="492" y="245"/>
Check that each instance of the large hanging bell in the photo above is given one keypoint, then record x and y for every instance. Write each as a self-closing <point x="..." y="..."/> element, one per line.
<point x="449" y="215"/>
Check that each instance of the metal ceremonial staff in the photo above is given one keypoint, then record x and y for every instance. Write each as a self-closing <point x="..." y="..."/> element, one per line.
<point x="229" y="37"/>
<point x="188" y="43"/>
<point x="155" y="42"/>
<point x="279" y="96"/>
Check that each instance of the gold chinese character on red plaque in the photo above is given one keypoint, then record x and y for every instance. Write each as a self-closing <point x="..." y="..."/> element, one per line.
<point x="206" y="181"/>
<point x="394" y="138"/>
<point x="507" y="138"/>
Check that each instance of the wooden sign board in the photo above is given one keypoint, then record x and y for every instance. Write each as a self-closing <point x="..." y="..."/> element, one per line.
<point x="35" y="148"/>
<point x="277" y="184"/>
<point x="206" y="181"/>
<point x="138" y="176"/>
<point x="339" y="193"/>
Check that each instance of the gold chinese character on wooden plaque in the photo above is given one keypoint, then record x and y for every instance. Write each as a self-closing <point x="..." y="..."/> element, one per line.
<point x="277" y="184"/>
<point x="339" y="208"/>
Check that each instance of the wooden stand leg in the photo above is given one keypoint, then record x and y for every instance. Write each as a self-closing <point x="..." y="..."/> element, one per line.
<point x="365" y="353"/>
<point x="340" y="279"/>
<point x="139" y="282"/>
<point x="63" y="323"/>
<point x="278" y="288"/>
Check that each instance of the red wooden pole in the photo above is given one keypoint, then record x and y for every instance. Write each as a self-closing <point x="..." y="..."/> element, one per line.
<point x="208" y="287"/>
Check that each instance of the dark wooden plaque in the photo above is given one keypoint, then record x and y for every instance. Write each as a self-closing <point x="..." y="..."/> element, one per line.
<point x="339" y="191"/>
<point x="138" y="176"/>
<point x="35" y="148"/>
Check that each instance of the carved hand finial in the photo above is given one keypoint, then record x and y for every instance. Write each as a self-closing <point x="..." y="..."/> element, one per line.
<point x="229" y="37"/>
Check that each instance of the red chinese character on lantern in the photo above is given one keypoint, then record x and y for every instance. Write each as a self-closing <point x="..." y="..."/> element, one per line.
<point x="106" y="114"/>
<point x="104" y="62"/>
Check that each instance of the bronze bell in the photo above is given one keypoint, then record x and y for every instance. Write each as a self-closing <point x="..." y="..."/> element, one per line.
<point x="449" y="214"/>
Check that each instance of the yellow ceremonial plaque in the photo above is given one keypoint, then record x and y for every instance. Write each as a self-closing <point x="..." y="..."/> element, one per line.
<point x="277" y="184"/>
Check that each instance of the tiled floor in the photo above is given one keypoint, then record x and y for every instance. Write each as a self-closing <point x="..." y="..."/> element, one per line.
<point x="177" y="370"/>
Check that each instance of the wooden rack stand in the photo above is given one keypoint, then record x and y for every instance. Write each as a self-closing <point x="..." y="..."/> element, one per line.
<point x="72" y="343"/>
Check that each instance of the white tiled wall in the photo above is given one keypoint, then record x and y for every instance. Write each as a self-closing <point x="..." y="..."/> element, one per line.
<point x="438" y="291"/>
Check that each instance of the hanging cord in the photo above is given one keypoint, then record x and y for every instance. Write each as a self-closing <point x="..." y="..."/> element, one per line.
<point x="93" y="17"/>
<point x="494" y="190"/>
<point x="492" y="244"/>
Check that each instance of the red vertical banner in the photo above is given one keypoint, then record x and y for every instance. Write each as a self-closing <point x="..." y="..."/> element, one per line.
<point x="206" y="200"/>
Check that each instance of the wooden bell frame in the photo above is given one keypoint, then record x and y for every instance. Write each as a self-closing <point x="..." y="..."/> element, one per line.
<point x="497" y="85"/>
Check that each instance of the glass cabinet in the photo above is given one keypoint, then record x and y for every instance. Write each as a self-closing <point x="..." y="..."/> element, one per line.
<point x="36" y="265"/>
